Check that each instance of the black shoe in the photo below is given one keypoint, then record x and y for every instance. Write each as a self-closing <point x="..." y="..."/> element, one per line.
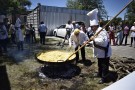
<point x="101" y="81"/>
<point x="76" y="62"/>
<point x="83" y="60"/>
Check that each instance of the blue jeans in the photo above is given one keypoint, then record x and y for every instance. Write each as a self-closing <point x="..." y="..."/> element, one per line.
<point x="119" y="37"/>
<point x="20" y="45"/>
<point x="27" y="38"/>
<point x="3" y="45"/>
<point x="42" y="37"/>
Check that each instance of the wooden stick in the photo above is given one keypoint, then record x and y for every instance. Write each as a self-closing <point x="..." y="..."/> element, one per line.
<point x="113" y="66"/>
<point x="100" y="30"/>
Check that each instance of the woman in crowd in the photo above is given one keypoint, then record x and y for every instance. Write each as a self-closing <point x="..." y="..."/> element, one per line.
<point x="132" y="35"/>
<point x="32" y="31"/>
<point x="3" y="38"/>
<point x="125" y="33"/>
<point x="12" y="32"/>
<point x="27" y="34"/>
<point x="112" y="33"/>
<point x="119" y="34"/>
<point x="83" y="28"/>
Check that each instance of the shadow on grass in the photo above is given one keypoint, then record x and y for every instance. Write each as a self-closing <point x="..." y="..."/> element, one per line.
<point x="4" y="59"/>
<point x="86" y="62"/>
<point x="4" y="81"/>
<point x="112" y="76"/>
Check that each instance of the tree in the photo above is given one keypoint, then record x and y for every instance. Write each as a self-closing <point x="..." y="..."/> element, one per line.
<point x="4" y="4"/>
<point x="130" y="14"/>
<point x="117" y="20"/>
<point x="88" y="5"/>
<point x="19" y="6"/>
<point x="13" y="6"/>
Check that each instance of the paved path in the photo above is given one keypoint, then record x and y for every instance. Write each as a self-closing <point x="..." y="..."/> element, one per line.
<point x="124" y="51"/>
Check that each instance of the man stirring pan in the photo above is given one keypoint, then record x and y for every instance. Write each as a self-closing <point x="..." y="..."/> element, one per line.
<point x="79" y="38"/>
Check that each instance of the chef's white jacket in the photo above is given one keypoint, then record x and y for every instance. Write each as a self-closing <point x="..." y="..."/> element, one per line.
<point x="102" y="39"/>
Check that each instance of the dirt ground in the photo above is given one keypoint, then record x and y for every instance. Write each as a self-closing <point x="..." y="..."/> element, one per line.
<point x="23" y="71"/>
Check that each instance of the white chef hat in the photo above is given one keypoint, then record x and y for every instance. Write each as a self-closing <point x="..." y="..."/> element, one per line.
<point x="93" y="17"/>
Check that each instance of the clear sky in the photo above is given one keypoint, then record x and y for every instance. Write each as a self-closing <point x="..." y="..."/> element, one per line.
<point x="112" y="6"/>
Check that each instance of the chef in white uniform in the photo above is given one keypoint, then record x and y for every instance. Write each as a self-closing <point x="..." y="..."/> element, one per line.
<point x="101" y="46"/>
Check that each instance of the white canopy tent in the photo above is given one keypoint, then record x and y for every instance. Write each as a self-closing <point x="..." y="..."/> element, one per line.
<point x="126" y="83"/>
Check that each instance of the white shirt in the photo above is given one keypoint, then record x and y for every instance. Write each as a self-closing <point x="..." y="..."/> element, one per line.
<point x="78" y="40"/>
<point x="132" y="33"/>
<point x="18" y="23"/>
<point x="19" y="35"/>
<point x="12" y="29"/>
<point x="102" y="39"/>
<point x="12" y="26"/>
<point x="111" y="28"/>
<point x="90" y="30"/>
<point x="70" y="26"/>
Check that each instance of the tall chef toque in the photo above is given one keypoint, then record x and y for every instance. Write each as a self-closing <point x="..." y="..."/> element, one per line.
<point x="93" y="17"/>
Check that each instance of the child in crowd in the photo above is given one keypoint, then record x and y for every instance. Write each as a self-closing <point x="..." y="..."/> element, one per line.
<point x="19" y="38"/>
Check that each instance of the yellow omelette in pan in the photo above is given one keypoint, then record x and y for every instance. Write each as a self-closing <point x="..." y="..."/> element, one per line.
<point x="55" y="56"/>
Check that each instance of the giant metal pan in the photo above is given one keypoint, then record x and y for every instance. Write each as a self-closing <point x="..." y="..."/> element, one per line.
<point x="59" y="62"/>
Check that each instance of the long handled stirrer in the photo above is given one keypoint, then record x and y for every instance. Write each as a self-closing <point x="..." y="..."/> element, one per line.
<point x="100" y="30"/>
